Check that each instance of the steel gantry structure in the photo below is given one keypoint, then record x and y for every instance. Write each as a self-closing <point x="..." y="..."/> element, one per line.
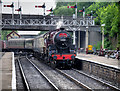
<point x="46" y="24"/>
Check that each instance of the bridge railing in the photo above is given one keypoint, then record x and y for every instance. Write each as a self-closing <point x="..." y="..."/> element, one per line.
<point x="48" y="22"/>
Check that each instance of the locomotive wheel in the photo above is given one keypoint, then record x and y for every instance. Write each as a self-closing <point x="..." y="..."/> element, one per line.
<point x="53" y="64"/>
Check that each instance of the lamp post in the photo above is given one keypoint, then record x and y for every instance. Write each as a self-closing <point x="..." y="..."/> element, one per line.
<point x="86" y="37"/>
<point x="91" y="15"/>
<point x="102" y="35"/>
<point x="79" y="38"/>
<point x="74" y="36"/>
<point x="74" y="29"/>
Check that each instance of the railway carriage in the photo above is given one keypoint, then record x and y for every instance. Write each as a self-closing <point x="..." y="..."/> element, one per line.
<point x="29" y="42"/>
<point x="39" y="47"/>
<point x="20" y="44"/>
<point x="16" y="44"/>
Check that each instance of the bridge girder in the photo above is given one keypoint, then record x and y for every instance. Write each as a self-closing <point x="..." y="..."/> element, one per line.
<point x="49" y="24"/>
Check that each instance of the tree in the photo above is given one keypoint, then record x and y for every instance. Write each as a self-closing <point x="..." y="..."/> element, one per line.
<point x="62" y="6"/>
<point x="63" y="10"/>
<point x="109" y="16"/>
<point x="4" y="34"/>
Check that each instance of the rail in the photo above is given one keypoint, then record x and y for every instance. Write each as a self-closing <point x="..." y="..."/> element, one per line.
<point x="23" y="75"/>
<point x="75" y="80"/>
<point x="56" y="88"/>
<point x="107" y="84"/>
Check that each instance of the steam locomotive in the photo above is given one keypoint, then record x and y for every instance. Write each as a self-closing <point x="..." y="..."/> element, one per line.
<point x="54" y="47"/>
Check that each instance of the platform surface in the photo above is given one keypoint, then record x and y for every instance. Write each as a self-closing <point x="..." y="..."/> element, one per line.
<point x="100" y="60"/>
<point x="6" y="71"/>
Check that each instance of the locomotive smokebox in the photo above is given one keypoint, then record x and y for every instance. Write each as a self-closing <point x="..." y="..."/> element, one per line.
<point x="62" y="39"/>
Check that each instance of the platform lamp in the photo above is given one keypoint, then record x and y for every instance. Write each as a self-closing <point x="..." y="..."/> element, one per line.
<point x="103" y="25"/>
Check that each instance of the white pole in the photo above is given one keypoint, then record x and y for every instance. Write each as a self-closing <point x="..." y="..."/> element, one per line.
<point x="76" y="10"/>
<point x="44" y="10"/>
<point x="84" y="12"/>
<point x="78" y="39"/>
<point x="18" y="6"/>
<point x="103" y="35"/>
<point x="74" y="30"/>
<point x="91" y="14"/>
<point x="103" y="38"/>
<point x="13" y="14"/>
<point x="87" y="37"/>
<point x="74" y="37"/>
<point x="20" y="14"/>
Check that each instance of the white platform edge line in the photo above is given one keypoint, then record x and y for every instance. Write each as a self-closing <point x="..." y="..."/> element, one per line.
<point x="13" y="73"/>
<point x="99" y="63"/>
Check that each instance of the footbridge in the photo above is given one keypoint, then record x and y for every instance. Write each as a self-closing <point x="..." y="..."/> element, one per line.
<point x="39" y="23"/>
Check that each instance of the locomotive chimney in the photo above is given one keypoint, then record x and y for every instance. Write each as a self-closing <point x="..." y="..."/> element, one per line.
<point x="62" y="29"/>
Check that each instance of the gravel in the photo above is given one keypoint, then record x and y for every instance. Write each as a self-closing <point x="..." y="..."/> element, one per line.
<point x="34" y="78"/>
<point x="59" y="80"/>
<point x="86" y="80"/>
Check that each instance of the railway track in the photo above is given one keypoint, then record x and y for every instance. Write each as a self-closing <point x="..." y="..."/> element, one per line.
<point x="86" y="81"/>
<point x="64" y="79"/>
<point x="33" y="77"/>
<point x="99" y="81"/>
<point x="54" y="86"/>
<point x="58" y="79"/>
<point x="26" y="85"/>
<point x="74" y="80"/>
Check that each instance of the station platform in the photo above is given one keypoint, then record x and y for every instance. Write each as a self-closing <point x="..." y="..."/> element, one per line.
<point x="106" y="69"/>
<point x="100" y="60"/>
<point x="7" y="72"/>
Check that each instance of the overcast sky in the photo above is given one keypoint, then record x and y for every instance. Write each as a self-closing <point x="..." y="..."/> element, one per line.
<point x="28" y="7"/>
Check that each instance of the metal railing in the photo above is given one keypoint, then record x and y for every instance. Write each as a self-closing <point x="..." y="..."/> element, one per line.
<point x="48" y="22"/>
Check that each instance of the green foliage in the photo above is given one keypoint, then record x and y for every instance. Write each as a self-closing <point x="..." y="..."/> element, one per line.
<point x="107" y="44"/>
<point x="42" y="32"/>
<point x="63" y="10"/>
<point x="109" y="15"/>
<point x="98" y="45"/>
<point x="4" y="34"/>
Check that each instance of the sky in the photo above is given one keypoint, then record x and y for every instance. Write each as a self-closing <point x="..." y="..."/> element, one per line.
<point x="28" y="7"/>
